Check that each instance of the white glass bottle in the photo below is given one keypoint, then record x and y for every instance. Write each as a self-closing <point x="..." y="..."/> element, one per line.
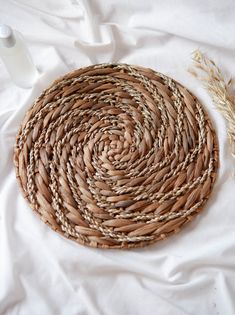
<point x="16" y="57"/>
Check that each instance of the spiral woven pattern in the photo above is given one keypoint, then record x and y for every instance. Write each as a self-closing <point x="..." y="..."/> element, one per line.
<point x="116" y="156"/>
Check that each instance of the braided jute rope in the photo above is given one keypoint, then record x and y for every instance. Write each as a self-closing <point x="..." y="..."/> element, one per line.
<point x="116" y="156"/>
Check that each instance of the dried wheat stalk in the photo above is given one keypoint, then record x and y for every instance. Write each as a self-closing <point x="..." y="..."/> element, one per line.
<point x="220" y="90"/>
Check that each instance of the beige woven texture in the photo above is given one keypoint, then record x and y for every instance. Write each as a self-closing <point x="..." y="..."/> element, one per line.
<point x="116" y="156"/>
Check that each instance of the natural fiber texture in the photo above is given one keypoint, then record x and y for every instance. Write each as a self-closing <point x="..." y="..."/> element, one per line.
<point x="221" y="92"/>
<point x="116" y="156"/>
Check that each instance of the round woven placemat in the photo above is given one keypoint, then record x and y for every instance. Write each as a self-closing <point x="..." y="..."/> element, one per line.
<point x="116" y="156"/>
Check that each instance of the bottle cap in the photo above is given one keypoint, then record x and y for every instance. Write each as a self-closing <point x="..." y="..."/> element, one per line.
<point x="7" y="37"/>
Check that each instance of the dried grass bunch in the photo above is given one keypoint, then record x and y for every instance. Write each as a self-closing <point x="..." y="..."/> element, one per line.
<point x="221" y="91"/>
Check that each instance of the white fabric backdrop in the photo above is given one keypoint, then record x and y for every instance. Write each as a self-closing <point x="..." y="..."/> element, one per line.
<point x="42" y="272"/>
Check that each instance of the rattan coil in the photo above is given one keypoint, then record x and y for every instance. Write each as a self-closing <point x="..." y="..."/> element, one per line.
<point x="116" y="156"/>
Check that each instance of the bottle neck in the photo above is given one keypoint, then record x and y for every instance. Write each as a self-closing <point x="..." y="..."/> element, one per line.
<point x="7" y="36"/>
